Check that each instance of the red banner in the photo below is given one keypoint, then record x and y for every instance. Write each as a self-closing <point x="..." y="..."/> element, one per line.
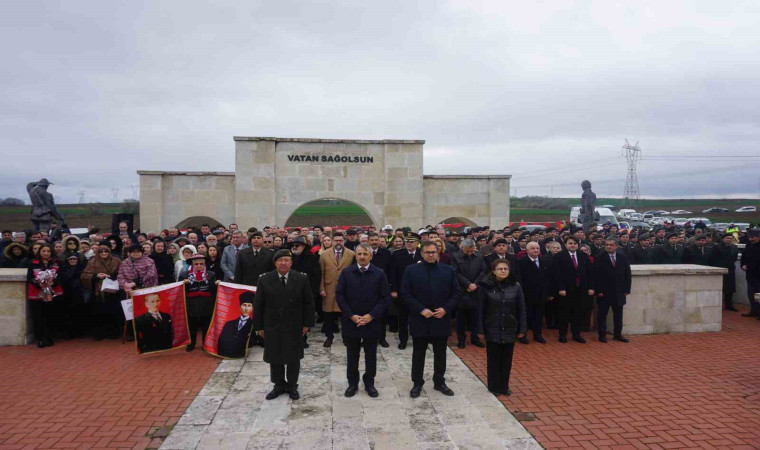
<point x="229" y="332"/>
<point x="160" y="318"/>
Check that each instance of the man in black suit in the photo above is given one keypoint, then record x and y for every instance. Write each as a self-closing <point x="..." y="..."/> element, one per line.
<point x="403" y="258"/>
<point x="307" y="263"/>
<point x="500" y="251"/>
<point x="641" y="252"/>
<point x="612" y="275"/>
<point x="154" y="328"/>
<point x="698" y="253"/>
<point x="574" y="279"/>
<point x="383" y="260"/>
<point x="535" y="280"/>
<point x="669" y="253"/>
<point x="251" y="263"/>
<point x="235" y="333"/>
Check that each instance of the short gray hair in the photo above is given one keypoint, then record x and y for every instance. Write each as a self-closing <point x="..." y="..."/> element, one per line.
<point x="237" y="232"/>
<point x="365" y="247"/>
<point x="467" y="243"/>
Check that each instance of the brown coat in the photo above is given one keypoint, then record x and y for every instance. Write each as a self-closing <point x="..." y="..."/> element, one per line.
<point x="330" y="273"/>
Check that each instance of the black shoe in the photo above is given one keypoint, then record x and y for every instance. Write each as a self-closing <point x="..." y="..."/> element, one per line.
<point x="443" y="389"/>
<point x="750" y="314"/>
<point x="190" y="348"/>
<point x="393" y="329"/>
<point x="320" y="320"/>
<point x="461" y="344"/>
<point x="523" y="340"/>
<point x="620" y="338"/>
<point x="328" y="343"/>
<point x="731" y="308"/>
<point x="293" y="394"/>
<point x="401" y="345"/>
<point x="41" y="344"/>
<point x="383" y="343"/>
<point x="260" y="342"/>
<point x="580" y="339"/>
<point x="351" y="390"/>
<point x="603" y="339"/>
<point x="477" y="343"/>
<point x="305" y="344"/>
<point x="495" y="393"/>
<point x="540" y="339"/>
<point x="371" y="391"/>
<point x="416" y="390"/>
<point x="563" y="339"/>
<point x="276" y="392"/>
<point x="507" y="392"/>
<point x="49" y="342"/>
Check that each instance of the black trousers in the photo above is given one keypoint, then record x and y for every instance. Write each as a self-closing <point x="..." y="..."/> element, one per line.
<point x="41" y="315"/>
<point x="499" y="365"/>
<point x="193" y="323"/>
<point x="277" y="375"/>
<point x="419" y="349"/>
<point x="570" y="312"/>
<point x="535" y="316"/>
<point x="551" y="314"/>
<point x="466" y="320"/>
<point x="353" y="349"/>
<point x="604" y="304"/>
<point x="753" y="287"/>
<point x="330" y="323"/>
<point x="728" y="298"/>
<point x="403" y="321"/>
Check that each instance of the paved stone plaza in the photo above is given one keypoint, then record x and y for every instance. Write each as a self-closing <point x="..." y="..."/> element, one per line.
<point x="231" y="412"/>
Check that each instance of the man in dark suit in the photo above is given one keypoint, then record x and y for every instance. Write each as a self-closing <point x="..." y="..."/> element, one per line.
<point x="382" y="259"/>
<point x="470" y="268"/>
<point x="641" y="252"/>
<point x="402" y="259"/>
<point x="307" y="263"/>
<point x="612" y="275"/>
<point x="283" y="311"/>
<point x="698" y="253"/>
<point x="154" y="328"/>
<point x="251" y="262"/>
<point x="574" y="279"/>
<point x="535" y="280"/>
<point x="235" y="333"/>
<point x="501" y="251"/>
<point x="363" y="295"/>
<point x="669" y="253"/>
<point x="430" y="291"/>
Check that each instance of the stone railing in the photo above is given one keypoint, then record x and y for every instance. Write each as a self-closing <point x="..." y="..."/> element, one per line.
<point x="672" y="298"/>
<point x="13" y="316"/>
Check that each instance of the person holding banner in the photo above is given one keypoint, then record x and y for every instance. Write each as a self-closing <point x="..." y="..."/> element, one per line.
<point x="283" y="312"/>
<point x="200" y="294"/>
<point x="155" y="330"/>
<point x="363" y="294"/>
<point x="235" y="334"/>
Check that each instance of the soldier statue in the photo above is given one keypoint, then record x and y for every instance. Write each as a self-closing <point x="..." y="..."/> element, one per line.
<point x="43" y="205"/>
<point x="588" y="213"/>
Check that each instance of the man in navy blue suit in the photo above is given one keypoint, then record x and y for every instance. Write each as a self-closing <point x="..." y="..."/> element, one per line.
<point x="612" y="275"/>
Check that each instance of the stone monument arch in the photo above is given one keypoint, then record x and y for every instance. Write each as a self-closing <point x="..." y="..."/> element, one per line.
<point x="274" y="176"/>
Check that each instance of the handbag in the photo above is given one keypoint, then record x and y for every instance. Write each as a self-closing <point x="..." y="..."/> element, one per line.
<point x="109" y="286"/>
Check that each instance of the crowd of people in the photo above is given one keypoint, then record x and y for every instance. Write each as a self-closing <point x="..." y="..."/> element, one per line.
<point x="499" y="284"/>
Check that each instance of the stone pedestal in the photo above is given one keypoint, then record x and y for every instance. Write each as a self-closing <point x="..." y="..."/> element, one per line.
<point x="13" y="314"/>
<point x="673" y="298"/>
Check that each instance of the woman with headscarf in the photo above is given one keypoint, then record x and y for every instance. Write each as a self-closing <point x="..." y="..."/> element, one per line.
<point x="173" y="251"/>
<point x="14" y="254"/>
<point x="42" y="286"/>
<point x="71" y="248"/>
<point x="183" y="265"/>
<point x="114" y="244"/>
<point x="164" y="262"/>
<point x="106" y="307"/>
<point x="502" y="319"/>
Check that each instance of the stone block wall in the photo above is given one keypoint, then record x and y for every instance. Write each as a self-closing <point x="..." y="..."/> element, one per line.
<point x="481" y="199"/>
<point x="14" y="324"/>
<point x="672" y="299"/>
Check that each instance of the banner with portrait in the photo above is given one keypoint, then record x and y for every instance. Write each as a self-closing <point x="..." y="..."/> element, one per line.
<point x="160" y="318"/>
<point x="230" y="330"/>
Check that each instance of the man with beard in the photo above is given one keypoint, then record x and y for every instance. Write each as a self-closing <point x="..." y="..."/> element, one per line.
<point x="332" y="262"/>
<point x="307" y="263"/>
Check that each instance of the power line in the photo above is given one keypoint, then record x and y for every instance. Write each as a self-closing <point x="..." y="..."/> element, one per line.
<point x="632" y="153"/>
<point x="81" y="196"/>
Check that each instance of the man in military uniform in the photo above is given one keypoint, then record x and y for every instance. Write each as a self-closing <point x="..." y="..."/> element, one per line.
<point x="698" y="253"/>
<point x="670" y="253"/>
<point x="750" y="264"/>
<point x="43" y="205"/>
<point x="724" y="255"/>
<point x="402" y="259"/>
<point x="283" y="312"/>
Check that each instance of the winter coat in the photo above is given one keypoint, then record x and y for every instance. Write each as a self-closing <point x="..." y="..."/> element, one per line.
<point x="429" y="286"/>
<point x="13" y="262"/>
<point x="249" y="268"/>
<point x="200" y="293"/>
<point x="360" y="293"/>
<point x="164" y="267"/>
<point x="469" y="270"/>
<point x="502" y="310"/>
<point x="96" y="265"/>
<point x="330" y="273"/>
<point x="725" y="256"/>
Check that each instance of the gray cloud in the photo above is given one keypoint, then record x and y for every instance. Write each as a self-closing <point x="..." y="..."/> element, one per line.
<point x="93" y="91"/>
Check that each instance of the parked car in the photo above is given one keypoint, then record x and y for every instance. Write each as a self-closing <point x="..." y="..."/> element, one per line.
<point x="647" y="217"/>
<point x="704" y="220"/>
<point x="681" y="221"/>
<point x="715" y="210"/>
<point x="625" y="213"/>
<point x="680" y="212"/>
<point x="636" y="216"/>
<point x="531" y="227"/>
<point x="638" y="224"/>
<point x="747" y="209"/>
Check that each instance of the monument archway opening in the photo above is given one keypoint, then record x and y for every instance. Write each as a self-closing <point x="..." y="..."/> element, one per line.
<point x="197" y="221"/>
<point x="329" y="212"/>
<point x="457" y="223"/>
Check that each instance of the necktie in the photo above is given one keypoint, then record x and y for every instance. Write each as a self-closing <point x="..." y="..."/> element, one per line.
<point x="575" y="264"/>
<point x="612" y="258"/>
<point x="536" y="261"/>
<point x="575" y="261"/>
<point x="282" y="280"/>
<point x="362" y="269"/>
<point x="255" y="253"/>
<point x="157" y="317"/>
<point x="237" y="250"/>
<point x="337" y="258"/>
<point x="241" y="324"/>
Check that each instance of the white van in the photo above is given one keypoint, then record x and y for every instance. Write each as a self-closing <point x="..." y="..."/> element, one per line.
<point x="605" y="215"/>
<point x="625" y="213"/>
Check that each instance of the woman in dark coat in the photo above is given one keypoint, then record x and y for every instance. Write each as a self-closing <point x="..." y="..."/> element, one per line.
<point x="34" y="251"/>
<point x="106" y="309"/>
<point x="502" y="320"/>
<point x="42" y="286"/>
<point x="214" y="261"/>
<point x="164" y="262"/>
<point x="71" y="308"/>
<point x="15" y="254"/>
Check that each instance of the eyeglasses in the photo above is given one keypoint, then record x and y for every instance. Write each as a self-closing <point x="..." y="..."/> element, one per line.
<point x="429" y="253"/>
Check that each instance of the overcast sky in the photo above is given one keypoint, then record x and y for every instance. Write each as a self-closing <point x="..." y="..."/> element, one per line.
<point x="547" y="91"/>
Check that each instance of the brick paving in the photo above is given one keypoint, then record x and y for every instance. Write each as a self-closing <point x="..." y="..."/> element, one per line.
<point x="86" y="394"/>
<point x="684" y="390"/>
